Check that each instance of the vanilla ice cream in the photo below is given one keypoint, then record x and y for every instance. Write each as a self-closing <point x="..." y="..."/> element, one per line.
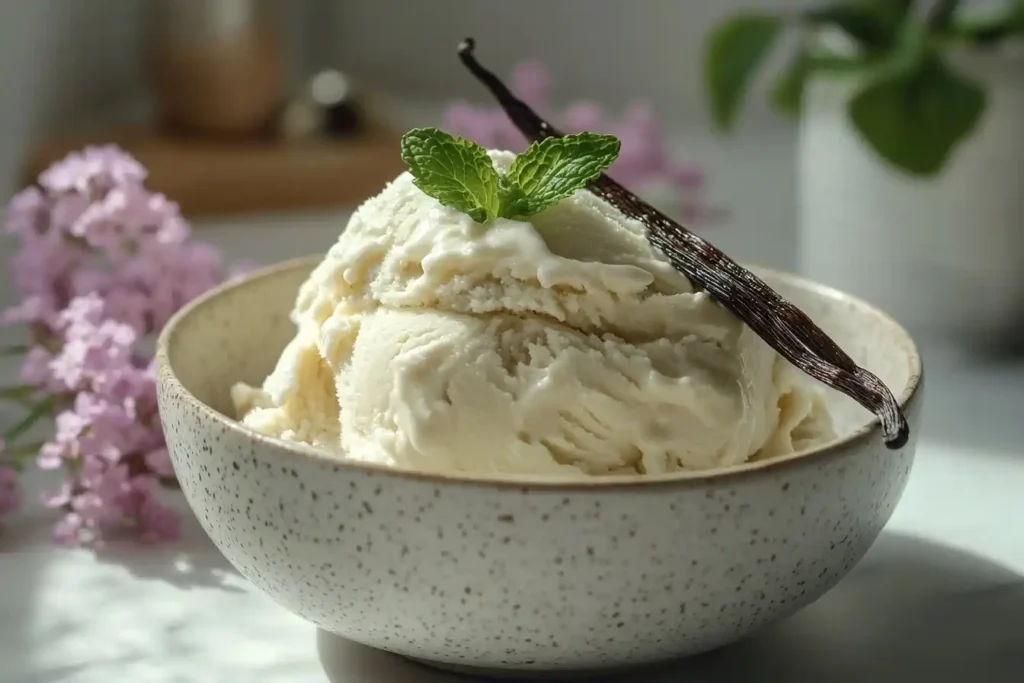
<point x="567" y="344"/>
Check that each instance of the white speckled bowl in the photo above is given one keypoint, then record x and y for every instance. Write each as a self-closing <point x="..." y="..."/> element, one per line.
<point x="523" y="575"/>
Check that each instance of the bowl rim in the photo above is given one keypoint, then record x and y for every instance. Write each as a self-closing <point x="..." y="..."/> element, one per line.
<point x="554" y="483"/>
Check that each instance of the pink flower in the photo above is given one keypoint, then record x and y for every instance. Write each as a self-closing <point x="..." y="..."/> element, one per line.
<point x="688" y="177"/>
<point x="158" y="522"/>
<point x="101" y="264"/>
<point x="531" y="83"/>
<point x="57" y="497"/>
<point x="96" y="351"/>
<point x="645" y="161"/>
<point x="35" y="367"/>
<point x="66" y="211"/>
<point x="26" y="213"/>
<point x="33" y="309"/>
<point x="94" y="168"/>
<point x="584" y="116"/>
<point x="159" y="462"/>
<point x="53" y="453"/>
<point x="38" y="266"/>
<point x="68" y="531"/>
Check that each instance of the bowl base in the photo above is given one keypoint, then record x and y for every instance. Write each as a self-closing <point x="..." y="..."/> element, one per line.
<point x="475" y="673"/>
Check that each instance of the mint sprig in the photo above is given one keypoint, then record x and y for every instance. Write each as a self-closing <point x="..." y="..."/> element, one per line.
<point x="454" y="171"/>
<point x="553" y="169"/>
<point x="459" y="174"/>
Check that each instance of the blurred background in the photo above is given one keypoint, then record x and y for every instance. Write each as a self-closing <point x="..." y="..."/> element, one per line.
<point x="71" y="66"/>
<point x="269" y="121"/>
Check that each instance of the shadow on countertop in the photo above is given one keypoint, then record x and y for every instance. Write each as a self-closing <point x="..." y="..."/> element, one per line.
<point x="974" y="403"/>
<point x="911" y="611"/>
<point x="193" y="561"/>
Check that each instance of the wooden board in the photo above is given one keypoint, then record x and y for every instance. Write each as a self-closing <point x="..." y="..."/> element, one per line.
<point x="230" y="177"/>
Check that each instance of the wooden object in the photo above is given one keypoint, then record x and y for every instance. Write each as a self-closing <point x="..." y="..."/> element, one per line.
<point x="209" y="177"/>
<point x="217" y="66"/>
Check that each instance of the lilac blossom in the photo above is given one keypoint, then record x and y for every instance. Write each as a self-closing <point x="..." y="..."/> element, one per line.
<point x="102" y="264"/>
<point x="645" y="161"/>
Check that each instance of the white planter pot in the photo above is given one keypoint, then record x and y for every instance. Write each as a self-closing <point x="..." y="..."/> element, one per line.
<point x="945" y="256"/>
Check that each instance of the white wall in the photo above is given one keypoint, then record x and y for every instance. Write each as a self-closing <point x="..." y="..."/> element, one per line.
<point x="606" y="50"/>
<point x="60" y="60"/>
<point x="64" y="61"/>
<point x="68" y="62"/>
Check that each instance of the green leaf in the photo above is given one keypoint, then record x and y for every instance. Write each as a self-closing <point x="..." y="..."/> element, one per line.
<point x="893" y="12"/>
<point x="991" y="30"/>
<point x="40" y="410"/>
<point x="512" y="201"/>
<point x="14" y="350"/>
<point x="1015" y="20"/>
<point x="942" y="14"/>
<point x="454" y="171"/>
<point x="732" y="54"/>
<point x="554" y="168"/>
<point x="865" y="22"/>
<point x="915" y="118"/>
<point x="788" y="92"/>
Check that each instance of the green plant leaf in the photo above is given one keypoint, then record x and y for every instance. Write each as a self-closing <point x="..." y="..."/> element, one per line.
<point x="915" y="118"/>
<point x="732" y="54"/>
<point x="942" y="14"/>
<point x="14" y="350"/>
<point x="554" y="168"/>
<point x="512" y="201"/>
<point x="991" y="30"/>
<point x="787" y="94"/>
<point x="893" y="12"/>
<point x="865" y="22"/>
<point x="40" y="410"/>
<point x="454" y="171"/>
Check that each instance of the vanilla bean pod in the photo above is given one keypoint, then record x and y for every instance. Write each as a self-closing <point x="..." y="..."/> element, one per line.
<point x="782" y="325"/>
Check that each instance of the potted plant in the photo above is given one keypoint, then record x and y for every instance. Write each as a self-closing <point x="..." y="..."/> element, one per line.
<point x="911" y="155"/>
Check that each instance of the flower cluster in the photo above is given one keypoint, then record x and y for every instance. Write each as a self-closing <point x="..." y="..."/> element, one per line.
<point x="645" y="162"/>
<point x="101" y="264"/>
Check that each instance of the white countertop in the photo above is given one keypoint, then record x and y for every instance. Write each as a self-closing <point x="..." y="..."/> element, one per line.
<point x="939" y="598"/>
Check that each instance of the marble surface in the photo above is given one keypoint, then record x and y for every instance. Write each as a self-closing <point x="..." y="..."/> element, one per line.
<point x="939" y="598"/>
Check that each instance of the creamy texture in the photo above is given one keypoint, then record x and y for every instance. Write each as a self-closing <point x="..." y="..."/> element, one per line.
<point x="563" y="345"/>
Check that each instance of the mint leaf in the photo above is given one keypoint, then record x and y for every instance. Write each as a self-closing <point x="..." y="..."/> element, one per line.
<point x="915" y="118"/>
<point x="454" y="171"/>
<point x="512" y="201"/>
<point x="732" y="54"/>
<point x="553" y="169"/>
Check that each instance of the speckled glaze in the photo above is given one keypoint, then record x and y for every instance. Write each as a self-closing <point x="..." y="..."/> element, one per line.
<point x="529" y="575"/>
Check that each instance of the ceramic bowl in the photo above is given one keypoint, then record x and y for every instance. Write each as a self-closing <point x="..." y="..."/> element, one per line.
<point x="524" y="575"/>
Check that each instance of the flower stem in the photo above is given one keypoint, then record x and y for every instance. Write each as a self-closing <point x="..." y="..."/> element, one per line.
<point x="40" y="410"/>
<point x="14" y="350"/>
<point x="21" y="394"/>
<point x="14" y="457"/>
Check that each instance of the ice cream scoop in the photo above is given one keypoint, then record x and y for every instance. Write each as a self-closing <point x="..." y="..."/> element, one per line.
<point x="565" y="343"/>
